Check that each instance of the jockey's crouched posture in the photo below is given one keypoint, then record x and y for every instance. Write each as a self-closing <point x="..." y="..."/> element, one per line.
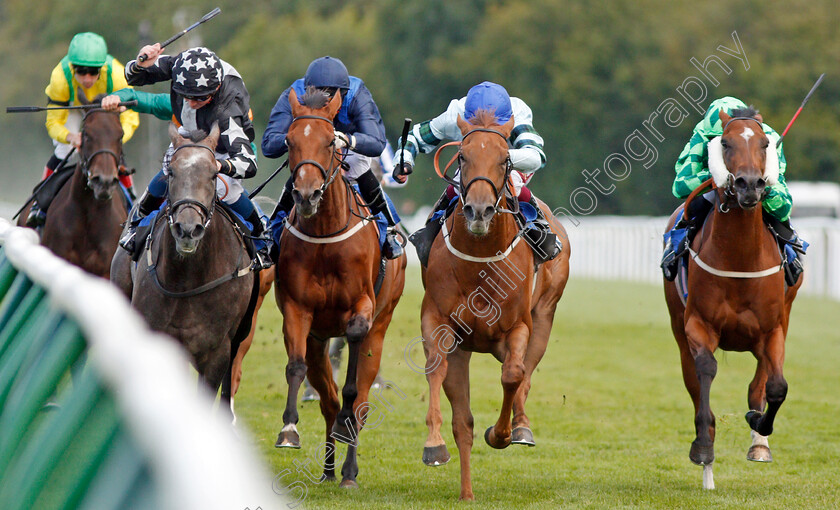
<point x="358" y="129"/>
<point x="693" y="169"/>
<point x="204" y="90"/>
<point x="526" y="155"/>
<point x="86" y="69"/>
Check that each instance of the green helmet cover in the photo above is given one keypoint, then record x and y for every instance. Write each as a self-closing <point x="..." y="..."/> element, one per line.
<point x="87" y="49"/>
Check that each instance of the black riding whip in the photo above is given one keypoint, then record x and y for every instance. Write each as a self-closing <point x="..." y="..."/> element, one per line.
<point x="406" y="127"/>
<point x="29" y="109"/>
<point x="795" y="115"/>
<point x="164" y="44"/>
<point x="261" y="186"/>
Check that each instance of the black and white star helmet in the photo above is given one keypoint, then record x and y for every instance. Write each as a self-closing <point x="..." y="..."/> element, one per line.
<point x="196" y="72"/>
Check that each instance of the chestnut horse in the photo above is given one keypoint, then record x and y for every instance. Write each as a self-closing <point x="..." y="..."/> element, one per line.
<point x="327" y="267"/>
<point x="737" y="300"/>
<point x="85" y="217"/>
<point x="482" y="295"/>
<point x="195" y="280"/>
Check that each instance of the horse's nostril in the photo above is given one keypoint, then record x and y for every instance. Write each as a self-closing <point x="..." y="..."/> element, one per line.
<point x="489" y="211"/>
<point x="198" y="232"/>
<point x="296" y="195"/>
<point x="740" y="183"/>
<point x="179" y="232"/>
<point x="469" y="212"/>
<point x="316" y="195"/>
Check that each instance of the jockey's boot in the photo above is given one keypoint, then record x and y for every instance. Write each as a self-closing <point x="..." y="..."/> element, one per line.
<point x="36" y="217"/>
<point x="262" y="243"/>
<point x="540" y="237"/>
<point x="372" y="193"/>
<point x="277" y="220"/>
<point x="790" y="244"/>
<point x="147" y="204"/>
<point x="679" y="238"/>
<point x="423" y="238"/>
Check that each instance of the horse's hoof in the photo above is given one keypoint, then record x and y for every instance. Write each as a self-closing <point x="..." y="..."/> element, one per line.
<point x="435" y="455"/>
<point x="701" y="455"/>
<point x="491" y="439"/>
<point x="287" y="439"/>
<point x="522" y="435"/>
<point x="759" y="453"/>
<point x="348" y="484"/>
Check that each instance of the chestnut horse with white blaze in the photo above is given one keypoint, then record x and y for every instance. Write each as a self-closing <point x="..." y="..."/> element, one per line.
<point x="483" y="295"/>
<point x="327" y="268"/>
<point x="737" y="298"/>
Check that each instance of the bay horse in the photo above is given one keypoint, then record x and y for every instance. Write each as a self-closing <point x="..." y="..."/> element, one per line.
<point x="85" y="217"/>
<point x="737" y="300"/>
<point x="327" y="269"/>
<point x="195" y="280"/>
<point x="483" y="295"/>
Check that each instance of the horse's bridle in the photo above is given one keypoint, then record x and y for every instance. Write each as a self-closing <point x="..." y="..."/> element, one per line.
<point x="203" y="210"/>
<point x="87" y="159"/>
<point x="499" y="192"/>
<point x="728" y="191"/>
<point x="328" y="175"/>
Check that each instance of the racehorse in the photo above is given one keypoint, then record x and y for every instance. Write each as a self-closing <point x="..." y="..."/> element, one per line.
<point x="737" y="300"/>
<point x="327" y="270"/>
<point x="85" y="217"/>
<point x="194" y="280"/>
<point x="483" y="295"/>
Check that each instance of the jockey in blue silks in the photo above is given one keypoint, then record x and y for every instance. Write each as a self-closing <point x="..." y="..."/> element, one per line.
<point x="358" y="128"/>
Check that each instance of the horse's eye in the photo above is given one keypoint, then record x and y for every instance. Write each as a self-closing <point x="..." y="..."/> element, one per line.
<point x="724" y="144"/>
<point x="765" y="144"/>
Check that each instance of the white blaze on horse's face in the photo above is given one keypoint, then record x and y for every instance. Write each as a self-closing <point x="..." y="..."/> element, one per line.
<point x="307" y="130"/>
<point x="747" y="134"/>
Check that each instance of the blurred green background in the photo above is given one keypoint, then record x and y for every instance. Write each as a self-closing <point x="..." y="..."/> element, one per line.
<point x="592" y="71"/>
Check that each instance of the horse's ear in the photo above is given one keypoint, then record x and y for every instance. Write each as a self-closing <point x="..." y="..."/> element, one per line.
<point x="724" y="117"/>
<point x="334" y="106"/>
<point x="176" y="139"/>
<point x="507" y="127"/>
<point x="82" y="97"/>
<point x="213" y="138"/>
<point x="759" y="118"/>
<point x="294" y="102"/>
<point x="464" y="126"/>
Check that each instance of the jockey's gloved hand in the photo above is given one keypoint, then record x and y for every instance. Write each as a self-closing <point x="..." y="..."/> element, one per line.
<point x="401" y="172"/>
<point x="344" y="140"/>
<point x="225" y="167"/>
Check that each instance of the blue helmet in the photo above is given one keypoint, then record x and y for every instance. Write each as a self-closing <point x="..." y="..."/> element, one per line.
<point x="488" y="96"/>
<point x="326" y="72"/>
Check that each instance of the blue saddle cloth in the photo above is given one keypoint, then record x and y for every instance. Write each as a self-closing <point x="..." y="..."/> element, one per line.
<point x="278" y="223"/>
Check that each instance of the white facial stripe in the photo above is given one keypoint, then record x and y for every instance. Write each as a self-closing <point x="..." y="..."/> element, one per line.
<point x="747" y="134"/>
<point x="307" y="130"/>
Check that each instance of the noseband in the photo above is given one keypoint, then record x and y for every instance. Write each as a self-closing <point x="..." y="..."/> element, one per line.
<point x="328" y="175"/>
<point x="499" y="192"/>
<point x="203" y="210"/>
<point x="87" y="159"/>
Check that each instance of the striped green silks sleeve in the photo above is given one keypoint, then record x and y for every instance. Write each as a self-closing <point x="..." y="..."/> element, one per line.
<point x="692" y="167"/>
<point x="778" y="201"/>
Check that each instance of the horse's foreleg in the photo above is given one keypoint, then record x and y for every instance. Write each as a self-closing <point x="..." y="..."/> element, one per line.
<point x="702" y="449"/>
<point x="320" y="376"/>
<point x="296" y="324"/>
<point x="358" y="325"/>
<point x="513" y="373"/>
<point x="436" y="345"/>
<point x="775" y="389"/>
<point x="542" y="319"/>
<point x="457" y="388"/>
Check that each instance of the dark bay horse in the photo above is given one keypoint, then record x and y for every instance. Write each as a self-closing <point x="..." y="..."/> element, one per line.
<point x="482" y="295"/>
<point x="737" y="300"/>
<point x="85" y="218"/>
<point x="328" y="265"/>
<point x="194" y="280"/>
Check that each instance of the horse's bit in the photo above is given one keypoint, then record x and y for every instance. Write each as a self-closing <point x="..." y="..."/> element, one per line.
<point x="206" y="212"/>
<point x="499" y="192"/>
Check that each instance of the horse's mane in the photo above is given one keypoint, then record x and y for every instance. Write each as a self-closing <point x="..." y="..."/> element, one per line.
<point x="749" y="111"/>
<point x="315" y="98"/>
<point x="484" y="118"/>
<point x="197" y="135"/>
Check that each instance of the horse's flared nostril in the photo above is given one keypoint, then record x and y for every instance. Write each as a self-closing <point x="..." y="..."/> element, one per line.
<point x="489" y="211"/>
<point x="316" y="196"/>
<point x="197" y="232"/>
<point x="469" y="212"/>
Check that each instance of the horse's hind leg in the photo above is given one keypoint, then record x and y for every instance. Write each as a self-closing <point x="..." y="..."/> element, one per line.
<point x="457" y="388"/>
<point x="775" y="389"/>
<point x="320" y="376"/>
<point x="513" y="373"/>
<point x="296" y="324"/>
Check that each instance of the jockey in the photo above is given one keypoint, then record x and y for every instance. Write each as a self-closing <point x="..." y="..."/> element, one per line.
<point x="358" y="127"/>
<point x="205" y="90"/>
<point x="526" y="155"/>
<point x="693" y="169"/>
<point x="86" y="69"/>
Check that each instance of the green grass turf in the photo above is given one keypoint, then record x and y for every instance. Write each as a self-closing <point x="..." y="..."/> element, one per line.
<point x="611" y="417"/>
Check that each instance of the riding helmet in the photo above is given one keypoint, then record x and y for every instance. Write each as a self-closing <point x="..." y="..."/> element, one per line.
<point x="327" y="72"/>
<point x="488" y="96"/>
<point x="88" y="50"/>
<point x="196" y="72"/>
